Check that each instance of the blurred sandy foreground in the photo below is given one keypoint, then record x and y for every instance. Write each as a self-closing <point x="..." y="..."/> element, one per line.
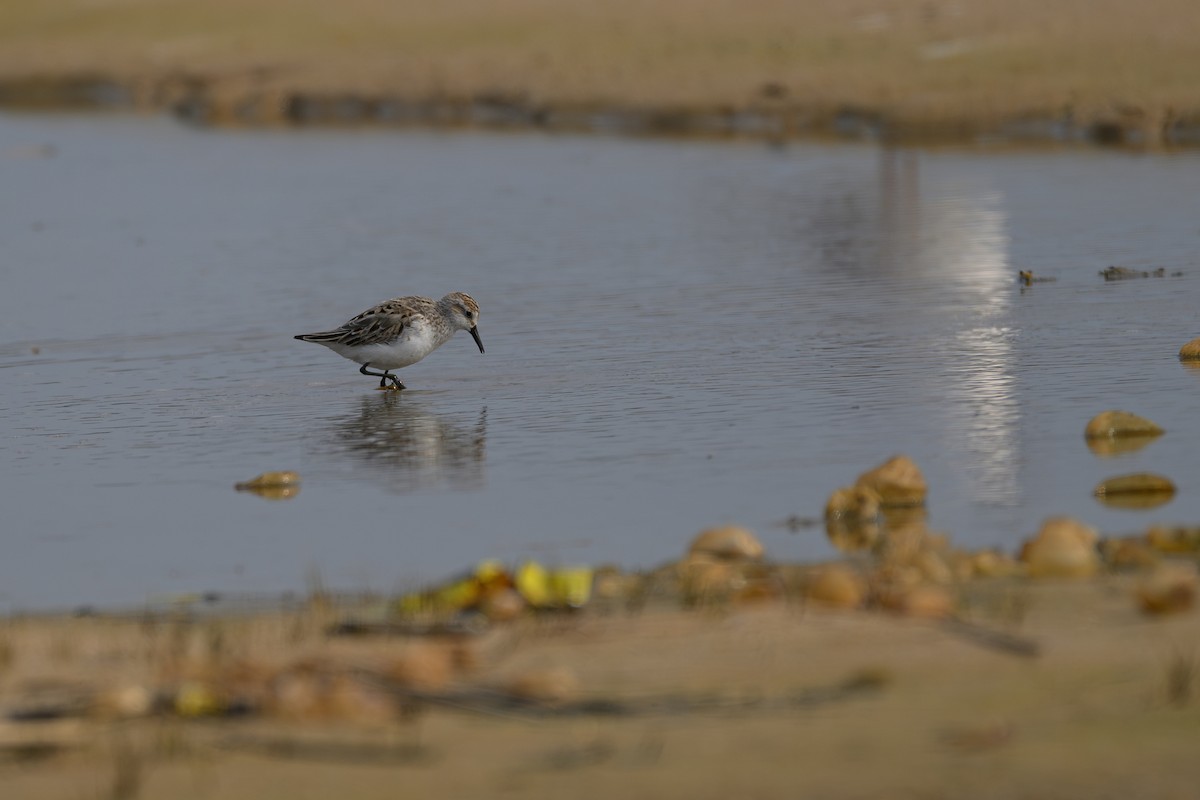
<point x="961" y="65"/>
<point x="748" y="699"/>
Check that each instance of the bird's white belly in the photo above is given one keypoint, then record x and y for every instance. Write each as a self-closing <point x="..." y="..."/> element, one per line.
<point x="409" y="349"/>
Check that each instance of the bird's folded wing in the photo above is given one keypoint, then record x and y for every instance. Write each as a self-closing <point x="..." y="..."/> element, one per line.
<point x="369" y="329"/>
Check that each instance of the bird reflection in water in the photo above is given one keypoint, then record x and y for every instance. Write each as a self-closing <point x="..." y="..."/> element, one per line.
<point x="407" y="448"/>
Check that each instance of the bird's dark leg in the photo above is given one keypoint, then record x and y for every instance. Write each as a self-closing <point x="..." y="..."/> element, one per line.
<point x="363" y="369"/>
<point x="384" y="377"/>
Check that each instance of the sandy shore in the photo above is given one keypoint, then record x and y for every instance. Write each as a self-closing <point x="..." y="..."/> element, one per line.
<point x="767" y="698"/>
<point x="1105" y="70"/>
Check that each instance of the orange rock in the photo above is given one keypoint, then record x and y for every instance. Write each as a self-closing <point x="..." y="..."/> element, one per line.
<point x="1191" y="350"/>
<point x="1064" y="547"/>
<point x="1169" y="589"/>
<point x="838" y="586"/>
<point x="728" y="542"/>
<point x="897" y="481"/>
<point x="279" y="485"/>
<point x="125" y="702"/>
<point x="1136" y="483"/>
<point x="1138" y="490"/>
<point x="503" y="605"/>
<point x="1113" y="424"/>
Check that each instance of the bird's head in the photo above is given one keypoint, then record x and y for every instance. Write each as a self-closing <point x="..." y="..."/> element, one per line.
<point x="464" y="311"/>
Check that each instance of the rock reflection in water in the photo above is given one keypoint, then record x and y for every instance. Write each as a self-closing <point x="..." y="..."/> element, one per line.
<point x="405" y="447"/>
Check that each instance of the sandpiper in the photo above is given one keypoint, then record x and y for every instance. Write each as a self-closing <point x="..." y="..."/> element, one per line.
<point x="399" y="332"/>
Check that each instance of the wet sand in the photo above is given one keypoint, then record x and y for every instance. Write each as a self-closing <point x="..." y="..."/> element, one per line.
<point x="778" y="698"/>
<point x="1102" y="71"/>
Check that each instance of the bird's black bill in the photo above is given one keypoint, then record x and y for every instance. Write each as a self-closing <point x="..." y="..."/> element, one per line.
<point x="475" y="336"/>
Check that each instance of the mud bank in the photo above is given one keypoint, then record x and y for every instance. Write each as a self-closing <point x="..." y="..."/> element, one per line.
<point x="223" y="103"/>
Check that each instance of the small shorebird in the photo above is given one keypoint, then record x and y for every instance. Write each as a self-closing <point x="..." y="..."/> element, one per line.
<point x="399" y="332"/>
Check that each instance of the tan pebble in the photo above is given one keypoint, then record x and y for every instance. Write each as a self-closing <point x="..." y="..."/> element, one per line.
<point x="503" y="605"/>
<point x="1138" y="490"/>
<point x="729" y="541"/>
<point x="1174" y="538"/>
<point x="550" y="686"/>
<point x="1114" y="424"/>
<point x="1169" y="589"/>
<point x="1191" y="350"/>
<point x="425" y="667"/>
<point x="126" y="702"/>
<point x="853" y="502"/>
<point x="1136" y="483"/>
<point x="838" y="586"/>
<point x="1064" y="547"/>
<point x="898" y="482"/>
<point x="272" y="485"/>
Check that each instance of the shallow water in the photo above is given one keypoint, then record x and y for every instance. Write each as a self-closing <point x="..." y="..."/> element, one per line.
<point x="678" y="334"/>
